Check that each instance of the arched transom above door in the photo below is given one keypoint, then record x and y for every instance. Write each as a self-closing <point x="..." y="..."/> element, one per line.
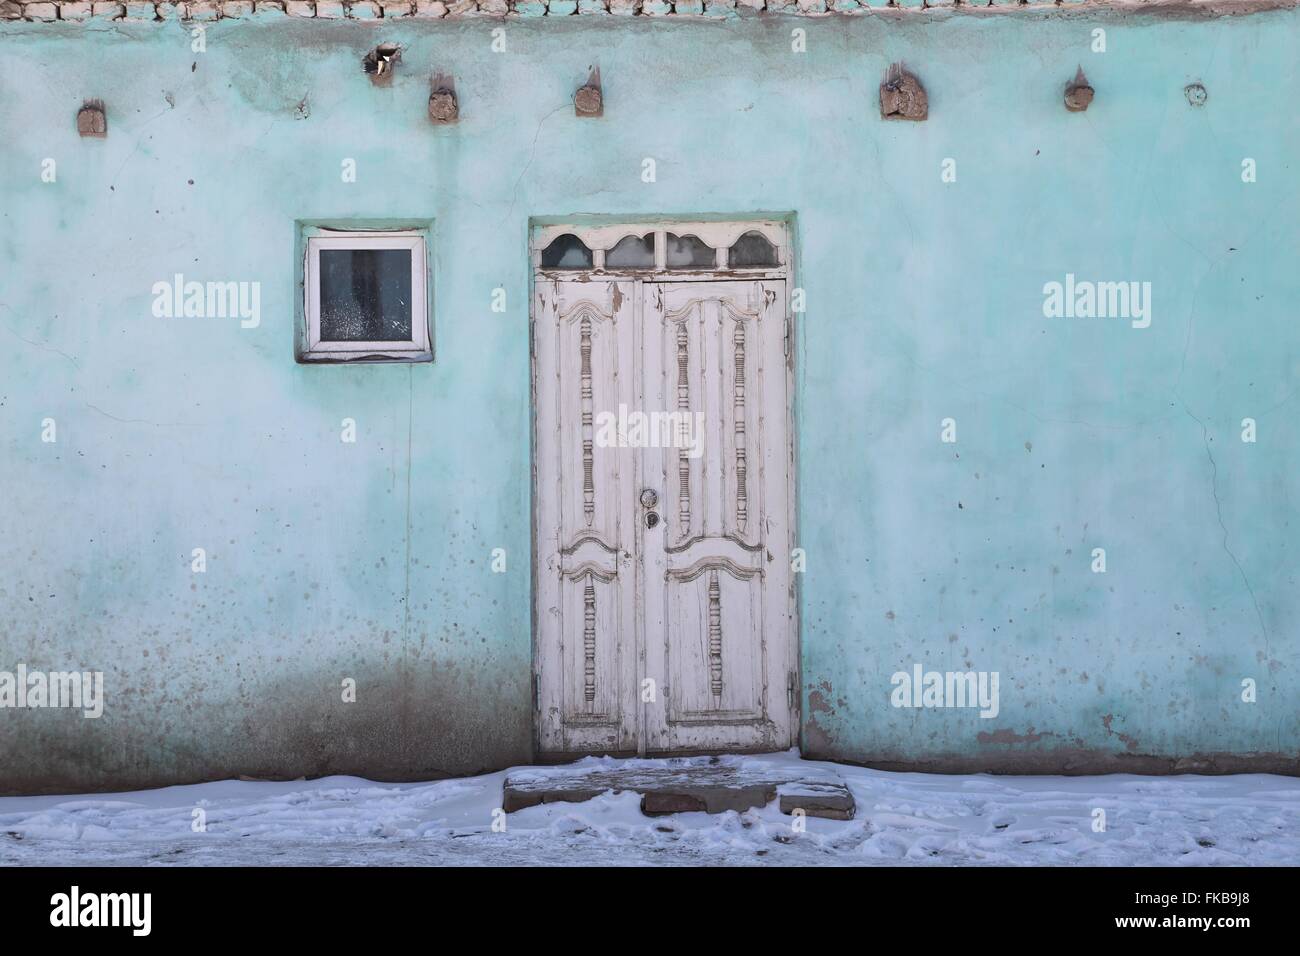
<point x="753" y="248"/>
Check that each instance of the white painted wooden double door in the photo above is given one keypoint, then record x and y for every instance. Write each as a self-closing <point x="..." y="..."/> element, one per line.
<point x="665" y="612"/>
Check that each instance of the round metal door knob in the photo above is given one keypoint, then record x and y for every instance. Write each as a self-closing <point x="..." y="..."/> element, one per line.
<point x="649" y="498"/>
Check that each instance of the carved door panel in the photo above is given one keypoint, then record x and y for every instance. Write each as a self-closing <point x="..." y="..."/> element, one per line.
<point x="663" y="556"/>
<point x="585" y="499"/>
<point x="718" y="620"/>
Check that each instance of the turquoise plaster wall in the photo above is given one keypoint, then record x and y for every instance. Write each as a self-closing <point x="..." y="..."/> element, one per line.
<point x="924" y="301"/>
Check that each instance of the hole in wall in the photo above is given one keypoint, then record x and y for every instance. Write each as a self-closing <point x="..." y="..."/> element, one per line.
<point x="380" y="62"/>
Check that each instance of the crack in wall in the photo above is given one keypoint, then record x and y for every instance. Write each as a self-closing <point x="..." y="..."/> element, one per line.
<point x="1218" y="510"/>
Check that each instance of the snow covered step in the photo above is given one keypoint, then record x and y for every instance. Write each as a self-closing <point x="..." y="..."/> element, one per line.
<point x="833" y="801"/>
<point x="685" y="785"/>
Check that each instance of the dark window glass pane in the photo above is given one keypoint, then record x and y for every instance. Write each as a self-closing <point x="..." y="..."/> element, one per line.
<point x="752" y="251"/>
<point x="566" y="252"/>
<point x="632" y="252"/>
<point x="689" y="252"/>
<point x="365" y="295"/>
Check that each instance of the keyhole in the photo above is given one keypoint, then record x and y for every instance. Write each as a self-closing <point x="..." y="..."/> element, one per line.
<point x="651" y="519"/>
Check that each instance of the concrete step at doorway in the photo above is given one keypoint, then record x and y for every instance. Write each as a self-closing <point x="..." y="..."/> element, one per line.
<point x="685" y="785"/>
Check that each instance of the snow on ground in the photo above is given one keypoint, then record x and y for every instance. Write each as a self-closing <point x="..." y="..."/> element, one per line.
<point x="903" y="818"/>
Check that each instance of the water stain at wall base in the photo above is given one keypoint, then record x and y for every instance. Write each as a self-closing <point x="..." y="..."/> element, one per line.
<point x="404" y="726"/>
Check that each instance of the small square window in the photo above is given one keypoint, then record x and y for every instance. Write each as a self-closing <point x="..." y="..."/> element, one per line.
<point x="367" y="296"/>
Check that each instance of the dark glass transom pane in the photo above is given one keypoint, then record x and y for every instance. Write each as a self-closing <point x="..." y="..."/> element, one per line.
<point x="632" y="252"/>
<point x="566" y="252"/>
<point x="689" y="252"/>
<point x="752" y="251"/>
<point x="365" y="295"/>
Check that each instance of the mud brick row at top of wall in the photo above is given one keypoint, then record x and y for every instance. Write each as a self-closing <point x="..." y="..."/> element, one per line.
<point x="80" y="10"/>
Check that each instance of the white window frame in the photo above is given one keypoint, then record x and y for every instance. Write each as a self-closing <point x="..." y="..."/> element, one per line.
<point x="417" y="347"/>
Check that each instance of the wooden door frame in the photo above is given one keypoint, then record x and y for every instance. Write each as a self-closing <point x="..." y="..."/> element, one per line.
<point x="604" y="232"/>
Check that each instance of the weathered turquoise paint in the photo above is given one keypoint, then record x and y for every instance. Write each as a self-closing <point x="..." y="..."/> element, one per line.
<point x="924" y="302"/>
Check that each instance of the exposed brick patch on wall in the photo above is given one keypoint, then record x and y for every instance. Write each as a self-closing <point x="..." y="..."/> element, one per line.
<point x="145" y="10"/>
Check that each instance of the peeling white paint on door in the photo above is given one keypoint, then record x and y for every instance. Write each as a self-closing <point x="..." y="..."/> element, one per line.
<point x="586" y="512"/>
<point x="665" y="613"/>
<point x="716" y="576"/>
